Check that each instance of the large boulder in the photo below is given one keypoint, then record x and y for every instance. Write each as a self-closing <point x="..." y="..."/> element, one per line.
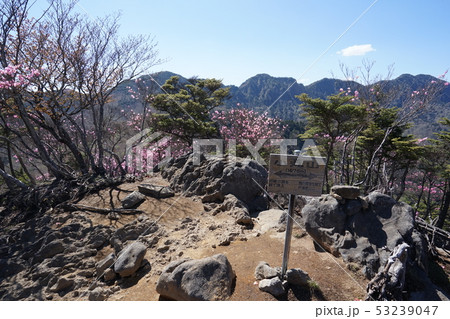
<point x="130" y="259"/>
<point x="209" y="278"/>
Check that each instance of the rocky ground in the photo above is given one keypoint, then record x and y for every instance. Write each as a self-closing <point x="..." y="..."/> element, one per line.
<point x="63" y="254"/>
<point x="72" y="243"/>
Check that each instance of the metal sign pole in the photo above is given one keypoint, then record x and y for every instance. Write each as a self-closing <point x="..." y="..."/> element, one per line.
<point x="288" y="236"/>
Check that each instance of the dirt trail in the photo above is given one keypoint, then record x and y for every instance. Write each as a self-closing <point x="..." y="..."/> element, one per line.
<point x="333" y="279"/>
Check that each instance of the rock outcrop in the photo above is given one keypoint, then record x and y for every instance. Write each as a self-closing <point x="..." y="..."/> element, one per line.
<point x="55" y="255"/>
<point x="225" y="183"/>
<point x="43" y="251"/>
<point x="365" y="231"/>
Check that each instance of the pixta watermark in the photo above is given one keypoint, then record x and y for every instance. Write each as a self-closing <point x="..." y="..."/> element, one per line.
<point x="146" y="149"/>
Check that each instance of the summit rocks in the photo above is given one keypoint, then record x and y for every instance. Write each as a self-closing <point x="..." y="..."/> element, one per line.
<point x="225" y="183"/>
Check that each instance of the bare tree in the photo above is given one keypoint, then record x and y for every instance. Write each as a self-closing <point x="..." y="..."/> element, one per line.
<point x="80" y="63"/>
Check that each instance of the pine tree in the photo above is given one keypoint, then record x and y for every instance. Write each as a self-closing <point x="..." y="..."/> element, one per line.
<point x="184" y="108"/>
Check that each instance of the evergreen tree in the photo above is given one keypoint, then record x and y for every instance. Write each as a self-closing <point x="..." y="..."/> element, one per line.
<point x="442" y="145"/>
<point x="330" y="121"/>
<point x="395" y="156"/>
<point x="184" y="108"/>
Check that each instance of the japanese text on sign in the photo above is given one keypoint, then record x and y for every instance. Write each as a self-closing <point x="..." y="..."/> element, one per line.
<point x="298" y="175"/>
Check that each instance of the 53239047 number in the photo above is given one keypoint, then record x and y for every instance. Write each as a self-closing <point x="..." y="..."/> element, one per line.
<point x="406" y="310"/>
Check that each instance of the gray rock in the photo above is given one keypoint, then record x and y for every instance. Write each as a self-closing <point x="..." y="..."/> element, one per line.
<point x="156" y="191"/>
<point x="345" y="191"/>
<point x="243" y="218"/>
<point x="88" y="273"/>
<point x="51" y="249"/>
<point x="352" y="207"/>
<point x="105" y="263"/>
<point x="237" y="209"/>
<point x="132" y="231"/>
<point x="133" y="200"/>
<point x="9" y="267"/>
<point x="98" y="294"/>
<point x="130" y="259"/>
<point x="234" y="207"/>
<point x="324" y="221"/>
<point x="363" y="231"/>
<point x="273" y="286"/>
<point x="109" y="275"/>
<point x="226" y="238"/>
<point x="264" y="271"/>
<point x="98" y="239"/>
<point x="297" y="277"/>
<point x="209" y="278"/>
<point x="217" y="177"/>
<point x="62" y="284"/>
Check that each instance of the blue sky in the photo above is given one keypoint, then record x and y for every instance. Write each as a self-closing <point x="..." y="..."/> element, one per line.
<point x="234" y="40"/>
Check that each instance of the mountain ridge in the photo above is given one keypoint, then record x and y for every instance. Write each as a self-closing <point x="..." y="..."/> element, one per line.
<point x="277" y="95"/>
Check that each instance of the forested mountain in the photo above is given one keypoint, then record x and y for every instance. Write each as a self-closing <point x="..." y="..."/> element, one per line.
<point x="276" y="95"/>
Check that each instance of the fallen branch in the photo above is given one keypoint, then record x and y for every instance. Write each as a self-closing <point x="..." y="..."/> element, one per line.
<point x="104" y="211"/>
<point x="439" y="237"/>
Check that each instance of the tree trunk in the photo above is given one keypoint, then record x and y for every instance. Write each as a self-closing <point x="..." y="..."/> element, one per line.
<point x="402" y="183"/>
<point x="444" y="210"/>
<point x="43" y="154"/>
<point x="98" y="123"/>
<point x="327" y="166"/>
<point x="10" y="162"/>
<point x="421" y="191"/>
<point x="428" y="212"/>
<point x="82" y="132"/>
<point x="11" y="181"/>
<point x="25" y="169"/>
<point x="67" y="140"/>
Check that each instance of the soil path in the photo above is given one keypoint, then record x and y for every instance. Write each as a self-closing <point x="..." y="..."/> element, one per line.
<point x="333" y="281"/>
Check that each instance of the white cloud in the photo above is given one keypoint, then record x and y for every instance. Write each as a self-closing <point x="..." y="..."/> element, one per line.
<point x="355" y="50"/>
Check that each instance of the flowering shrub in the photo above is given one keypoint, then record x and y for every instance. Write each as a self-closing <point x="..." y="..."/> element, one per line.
<point x="243" y="125"/>
<point x="14" y="76"/>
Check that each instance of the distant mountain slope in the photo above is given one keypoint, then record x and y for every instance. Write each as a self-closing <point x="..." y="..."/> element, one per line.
<point x="261" y="91"/>
<point x="276" y="95"/>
